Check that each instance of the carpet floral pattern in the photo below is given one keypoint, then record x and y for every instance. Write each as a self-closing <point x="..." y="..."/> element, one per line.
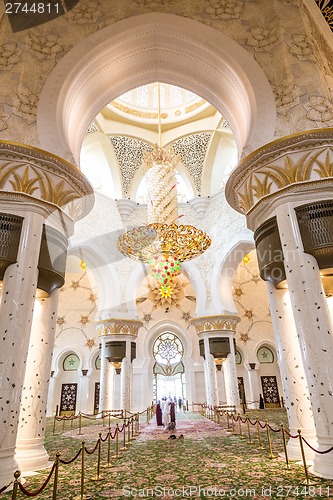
<point x="208" y="463"/>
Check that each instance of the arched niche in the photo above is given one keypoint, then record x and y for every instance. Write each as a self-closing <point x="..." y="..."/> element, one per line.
<point x="147" y="48"/>
<point x="225" y="268"/>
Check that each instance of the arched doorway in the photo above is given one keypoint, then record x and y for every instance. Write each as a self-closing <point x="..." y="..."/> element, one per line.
<point x="168" y="371"/>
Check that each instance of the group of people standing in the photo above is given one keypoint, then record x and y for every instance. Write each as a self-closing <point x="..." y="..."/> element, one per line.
<point x="166" y="412"/>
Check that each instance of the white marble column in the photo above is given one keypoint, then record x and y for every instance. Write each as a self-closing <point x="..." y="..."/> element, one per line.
<point x="296" y="393"/>
<point x="83" y="392"/>
<point x="106" y="379"/>
<point x="212" y="395"/>
<point x="125" y="379"/>
<point x="16" y="312"/>
<point x="254" y="385"/>
<point x="30" y="451"/>
<point x="314" y="329"/>
<point x="125" y="384"/>
<point x="232" y="371"/>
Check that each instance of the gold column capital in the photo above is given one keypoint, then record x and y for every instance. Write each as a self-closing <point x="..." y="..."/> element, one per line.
<point x="43" y="177"/>
<point x="219" y="322"/>
<point x="118" y="326"/>
<point x="288" y="165"/>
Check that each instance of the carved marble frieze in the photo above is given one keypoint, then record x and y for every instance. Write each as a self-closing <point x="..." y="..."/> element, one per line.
<point x="297" y="160"/>
<point x="45" y="178"/>
<point x="219" y="322"/>
<point x="114" y="326"/>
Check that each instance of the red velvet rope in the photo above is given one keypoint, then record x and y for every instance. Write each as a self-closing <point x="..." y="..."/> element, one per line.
<point x="121" y="429"/>
<point x="273" y="430"/>
<point x="253" y="423"/>
<point x="66" y="462"/>
<point x="103" y="440"/>
<point x="5" y="487"/>
<point x="317" y="451"/>
<point x="243" y="421"/>
<point x="93" y="451"/>
<point x="35" y="493"/>
<point x="114" y="435"/>
<point x="262" y="426"/>
<point x="290" y="435"/>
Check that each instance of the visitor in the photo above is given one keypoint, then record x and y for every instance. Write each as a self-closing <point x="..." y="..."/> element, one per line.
<point x="166" y="414"/>
<point x="261" y="403"/>
<point x="180" y="403"/>
<point x="159" y="419"/>
<point x="172" y="412"/>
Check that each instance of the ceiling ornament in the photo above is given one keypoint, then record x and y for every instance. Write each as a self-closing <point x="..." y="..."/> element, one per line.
<point x="163" y="243"/>
<point x="192" y="151"/>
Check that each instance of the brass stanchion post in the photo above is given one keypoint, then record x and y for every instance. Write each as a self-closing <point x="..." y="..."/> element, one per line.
<point x="63" y="423"/>
<point x="82" y="496"/>
<point x="249" y="432"/>
<point x="269" y="442"/>
<point x="55" y="482"/>
<point x="260" y="447"/>
<point x="109" y="416"/>
<point x="128" y="432"/>
<point x="228" y="423"/>
<point x="233" y="425"/>
<point x="108" y="464"/>
<point x="132" y="428"/>
<point x="240" y="427"/>
<point x="54" y="424"/>
<point x="72" y="418"/>
<point x="124" y="447"/>
<point x="147" y="416"/>
<point x="17" y="474"/>
<point x="308" y="482"/>
<point x="117" y="456"/>
<point x="80" y="424"/>
<point x="284" y="446"/>
<point x="98" y="476"/>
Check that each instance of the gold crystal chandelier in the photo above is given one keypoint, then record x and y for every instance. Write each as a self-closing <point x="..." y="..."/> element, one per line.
<point x="163" y="243"/>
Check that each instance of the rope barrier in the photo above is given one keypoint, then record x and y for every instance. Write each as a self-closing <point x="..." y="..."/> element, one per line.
<point x="5" y="487"/>
<point x="317" y="451"/>
<point x="67" y="462"/>
<point x="37" y="492"/>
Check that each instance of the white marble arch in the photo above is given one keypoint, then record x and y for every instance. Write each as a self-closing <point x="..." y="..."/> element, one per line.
<point x="108" y="297"/>
<point x="185" y="337"/>
<point x="147" y="48"/>
<point x="225" y="266"/>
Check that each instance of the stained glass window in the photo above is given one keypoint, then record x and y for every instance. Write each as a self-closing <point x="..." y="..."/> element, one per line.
<point x="238" y="358"/>
<point x="168" y="349"/>
<point x="265" y="355"/>
<point x="71" y="363"/>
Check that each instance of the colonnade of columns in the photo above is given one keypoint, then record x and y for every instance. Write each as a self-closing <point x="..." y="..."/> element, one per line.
<point x="285" y="189"/>
<point x="36" y="220"/>
<point x="117" y="351"/>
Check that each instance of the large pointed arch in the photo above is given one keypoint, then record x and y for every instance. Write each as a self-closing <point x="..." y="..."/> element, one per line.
<point x="154" y="47"/>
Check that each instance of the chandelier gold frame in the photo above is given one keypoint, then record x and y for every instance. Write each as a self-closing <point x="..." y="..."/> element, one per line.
<point x="183" y="242"/>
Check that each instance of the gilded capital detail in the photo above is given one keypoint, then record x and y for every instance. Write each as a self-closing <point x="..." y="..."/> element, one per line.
<point x="226" y="322"/>
<point x="44" y="177"/>
<point x="114" y="326"/>
<point x="285" y="164"/>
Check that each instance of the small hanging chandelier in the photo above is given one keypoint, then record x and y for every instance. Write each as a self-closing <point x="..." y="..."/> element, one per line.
<point x="163" y="243"/>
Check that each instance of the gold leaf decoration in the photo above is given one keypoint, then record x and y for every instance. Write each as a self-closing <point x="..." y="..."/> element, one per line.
<point x="22" y="183"/>
<point x="324" y="169"/>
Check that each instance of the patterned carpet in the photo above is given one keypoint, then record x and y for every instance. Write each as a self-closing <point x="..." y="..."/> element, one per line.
<point x="208" y="463"/>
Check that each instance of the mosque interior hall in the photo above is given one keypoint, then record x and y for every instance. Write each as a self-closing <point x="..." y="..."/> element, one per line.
<point x="166" y="241"/>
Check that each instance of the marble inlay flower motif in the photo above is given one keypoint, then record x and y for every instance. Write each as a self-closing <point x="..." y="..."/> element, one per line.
<point x="61" y="320"/>
<point x="248" y="313"/>
<point x="286" y="94"/>
<point x="224" y="9"/>
<point x="263" y="38"/>
<point x="3" y="119"/>
<point x="301" y="48"/>
<point x="90" y="343"/>
<point x="85" y="12"/>
<point x="25" y="103"/>
<point x="9" y="55"/>
<point x="44" y="46"/>
<point x="84" y="319"/>
<point x="320" y="110"/>
<point x="244" y="337"/>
